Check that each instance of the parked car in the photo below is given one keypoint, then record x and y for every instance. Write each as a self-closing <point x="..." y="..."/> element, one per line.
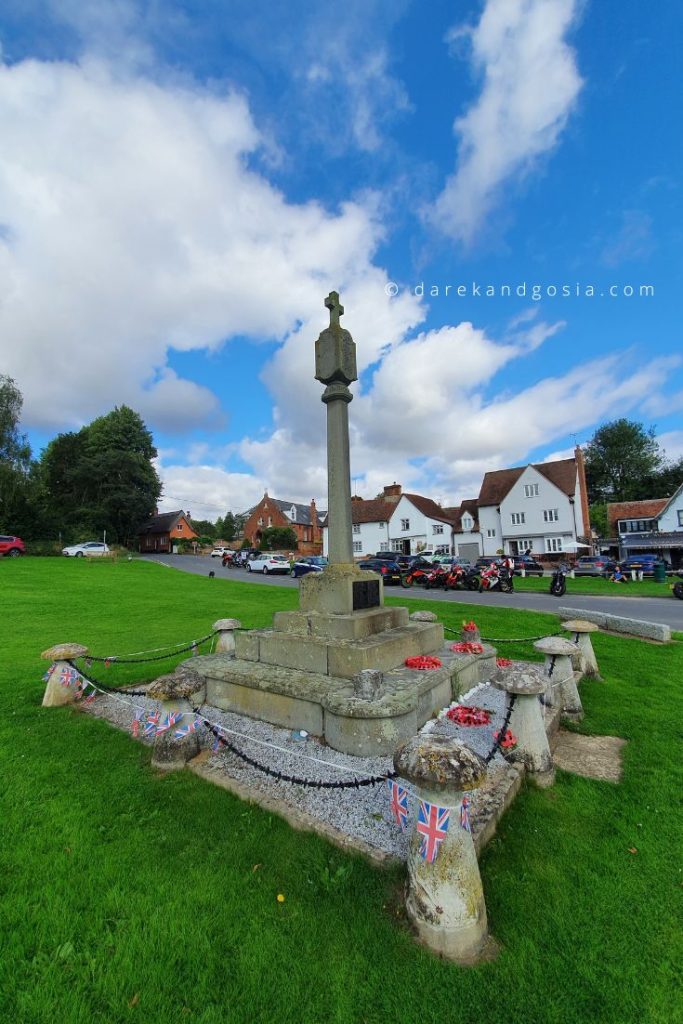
<point x="244" y="556"/>
<point x="529" y="564"/>
<point x="644" y="563"/>
<point x="409" y="562"/>
<point x="219" y="552"/>
<point x="389" y="571"/>
<point x="266" y="563"/>
<point x="90" y="548"/>
<point x="12" y="546"/>
<point x="309" y="563"/>
<point x="594" y="565"/>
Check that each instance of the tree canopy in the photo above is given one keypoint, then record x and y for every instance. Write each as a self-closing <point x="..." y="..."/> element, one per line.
<point x="622" y="460"/>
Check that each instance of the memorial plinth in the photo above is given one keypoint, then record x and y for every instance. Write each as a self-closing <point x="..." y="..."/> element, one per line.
<point x="299" y="673"/>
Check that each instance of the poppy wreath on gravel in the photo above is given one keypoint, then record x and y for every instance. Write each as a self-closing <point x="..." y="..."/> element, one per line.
<point x="467" y="647"/>
<point x="423" y="661"/>
<point x="468" y="716"/>
<point x="503" y="662"/>
<point x="509" y="741"/>
<point x="470" y="627"/>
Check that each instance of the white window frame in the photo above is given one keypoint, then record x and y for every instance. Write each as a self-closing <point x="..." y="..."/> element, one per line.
<point x="551" y="515"/>
<point x="437" y="527"/>
<point x="490" y="533"/>
<point x="467" y="522"/>
<point x="517" y="518"/>
<point x="358" y="547"/>
<point x="679" y="513"/>
<point x="530" y="490"/>
<point x="405" y="524"/>
<point x="384" y="545"/>
<point x="356" y="527"/>
<point x="553" y="545"/>
<point x="525" y="542"/>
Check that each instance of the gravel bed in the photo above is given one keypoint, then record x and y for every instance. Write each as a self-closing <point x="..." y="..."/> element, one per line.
<point x="361" y="815"/>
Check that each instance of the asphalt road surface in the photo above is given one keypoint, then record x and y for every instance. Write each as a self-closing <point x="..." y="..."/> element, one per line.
<point x="666" y="610"/>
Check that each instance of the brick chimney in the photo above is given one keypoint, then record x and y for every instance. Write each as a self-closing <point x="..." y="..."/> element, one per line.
<point x="392" y="493"/>
<point x="314" y="513"/>
<point x="583" y="490"/>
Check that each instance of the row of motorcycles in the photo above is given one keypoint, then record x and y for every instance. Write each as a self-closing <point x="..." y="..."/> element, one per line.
<point x="456" y="577"/>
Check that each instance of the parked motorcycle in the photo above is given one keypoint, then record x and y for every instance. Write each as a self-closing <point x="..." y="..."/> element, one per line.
<point x="678" y="588"/>
<point x="459" y="578"/>
<point x="558" y="580"/>
<point x="436" y="578"/>
<point x="496" y="578"/>
<point x="418" y="576"/>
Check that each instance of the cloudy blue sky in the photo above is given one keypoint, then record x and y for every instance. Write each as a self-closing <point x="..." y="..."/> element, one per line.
<point x="181" y="185"/>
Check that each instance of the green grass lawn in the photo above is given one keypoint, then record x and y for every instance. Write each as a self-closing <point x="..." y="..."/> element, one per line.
<point x="126" y="896"/>
<point x="599" y="587"/>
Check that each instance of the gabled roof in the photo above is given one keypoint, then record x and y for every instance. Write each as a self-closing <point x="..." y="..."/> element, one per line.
<point x="457" y="512"/>
<point x="302" y="514"/>
<point x="375" y="511"/>
<point x="500" y="482"/>
<point x="649" y="509"/>
<point x="428" y="508"/>
<point x="672" y="499"/>
<point x="162" y="523"/>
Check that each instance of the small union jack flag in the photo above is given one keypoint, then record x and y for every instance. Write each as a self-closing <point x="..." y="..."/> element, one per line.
<point x="465" y="814"/>
<point x="432" y="824"/>
<point x="217" y="743"/>
<point x="398" y="797"/>
<point x="151" y="723"/>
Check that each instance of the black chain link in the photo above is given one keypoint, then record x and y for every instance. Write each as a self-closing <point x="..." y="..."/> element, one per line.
<point x="509" y="639"/>
<point x="502" y="731"/>
<point x="103" y="686"/>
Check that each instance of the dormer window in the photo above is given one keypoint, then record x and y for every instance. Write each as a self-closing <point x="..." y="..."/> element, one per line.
<point x="292" y="513"/>
<point x="467" y="522"/>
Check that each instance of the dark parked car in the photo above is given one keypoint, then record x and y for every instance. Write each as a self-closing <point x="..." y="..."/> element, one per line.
<point x="12" y="546"/>
<point x="644" y="563"/>
<point x="526" y="562"/>
<point x="389" y="571"/>
<point x="594" y="565"/>
<point x="309" y="563"/>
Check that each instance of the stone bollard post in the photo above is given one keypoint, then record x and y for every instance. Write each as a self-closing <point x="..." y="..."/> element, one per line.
<point x="226" y="635"/>
<point x="174" y="691"/>
<point x="559" y="672"/>
<point x="584" y="659"/>
<point x="368" y="684"/>
<point x="470" y="635"/>
<point x="445" y="899"/>
<point x="526" y="721"/>
<point x="58" y="691"/>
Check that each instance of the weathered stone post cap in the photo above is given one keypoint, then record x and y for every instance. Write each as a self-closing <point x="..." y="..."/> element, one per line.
<point x="525" y="680"/>
<point x="223" y="624"/>
<point x="580" y="626"/>
<point x="65" y="652"/>
<point x="368" y="684"/>
<point x="424" y="617"/>
<point x="439" y="762"/>
<point x="176" y="685"/>
<point x="555" y="646"/>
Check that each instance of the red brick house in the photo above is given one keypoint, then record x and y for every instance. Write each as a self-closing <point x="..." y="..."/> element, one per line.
<point x="161" y="532"/>
<point x="303" y="519"/>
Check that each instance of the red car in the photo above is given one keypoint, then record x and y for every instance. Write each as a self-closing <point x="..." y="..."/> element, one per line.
<point x="12" y="546"/>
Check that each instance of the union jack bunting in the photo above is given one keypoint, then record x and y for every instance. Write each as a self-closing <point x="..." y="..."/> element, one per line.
<point x="217" y="743"/>
<point x="151" y="723"/>
<point x="465" y="814"/>
<point x="185" y="730"/>
<point x="171" y="719"/>
<point x="432" y="824"/>
<point x="49" y="672"/>
<point x="398" y="801"/>
<point x="91" y="696"/>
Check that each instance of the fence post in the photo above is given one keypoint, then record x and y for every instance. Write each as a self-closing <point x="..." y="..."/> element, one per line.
<point x="60" y="676"/>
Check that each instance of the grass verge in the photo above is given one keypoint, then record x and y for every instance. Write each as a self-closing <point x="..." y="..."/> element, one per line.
<point x="127" y="896"/>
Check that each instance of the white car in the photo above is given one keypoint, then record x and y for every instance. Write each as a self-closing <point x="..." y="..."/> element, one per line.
<point x="90" y="548"/>
<point x="268" y="563"/>
<point x="219" y="552"/>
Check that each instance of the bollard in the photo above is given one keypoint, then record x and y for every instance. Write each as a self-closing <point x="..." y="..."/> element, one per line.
<point x="174" y="691"/>
<point x="57" y="691"/>
<point x="584" y="659"/>
<point x="445" y="899"/>
<point x="560" y="684"/>
<point x="226" y="635"/>
<point x="527" y="683"/>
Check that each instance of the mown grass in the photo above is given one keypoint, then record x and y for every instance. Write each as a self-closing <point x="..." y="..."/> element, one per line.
<point x="126" y="896"/>
<point x="599" y="587"/>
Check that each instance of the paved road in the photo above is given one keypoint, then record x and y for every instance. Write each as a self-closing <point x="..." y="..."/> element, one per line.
<point x="666" y="610"/>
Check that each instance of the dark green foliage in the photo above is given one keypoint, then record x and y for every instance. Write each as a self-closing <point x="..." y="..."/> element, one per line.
<point x="102" y="478"/>
<point x="621" y="459"/>
<point x="206" y="530"/>
<point x="598" y="517"/>
<point x="277" y="538"/>
<point x="15" y="460"/>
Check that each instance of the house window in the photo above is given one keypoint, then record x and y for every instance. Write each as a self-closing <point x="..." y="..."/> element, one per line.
<point x="550" y="515"/>
<point x="637" y="525"/>
<point x="530" y="490"/>
<point x="490" y="533"/>
<point x="260" y="521"/>
<point x="679" y="513"/>
<point x="443" y="549"/>
<point x="517" y="518"/>
<point x="405" y="524"/>
<point x="270" y="520"/>
<point x="553" y="543"/>
<point x="179" y="528"/>
<point x="384" y="545"/>
<point x="356" y="527"/>
<point x="357" y="547"/>
<point x="437" y="528"/>
<point x="524" y="543"/>
<point x="467" y="522"/>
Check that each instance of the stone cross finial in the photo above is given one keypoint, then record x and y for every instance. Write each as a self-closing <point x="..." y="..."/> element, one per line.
<point x="335" y="307"/>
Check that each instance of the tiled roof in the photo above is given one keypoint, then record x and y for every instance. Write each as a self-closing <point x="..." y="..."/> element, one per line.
<point x="162" y="523"/>
<point x="456" y="513"/>
<point x="375" y="511"/>
<point x="635" y="509"/>
<point x="302" y="514"/>
<point x="498" y="483"/>
<point x="429" y="508"/>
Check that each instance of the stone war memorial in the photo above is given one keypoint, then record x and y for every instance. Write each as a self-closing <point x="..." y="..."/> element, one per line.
<point x="337" y="666"/>
<point x="419" y="744"/>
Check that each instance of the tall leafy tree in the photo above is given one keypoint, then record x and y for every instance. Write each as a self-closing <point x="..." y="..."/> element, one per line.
<point x="621" y="458"/>
<point x="102" y="478"/>
<point x="15" y="459"/>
